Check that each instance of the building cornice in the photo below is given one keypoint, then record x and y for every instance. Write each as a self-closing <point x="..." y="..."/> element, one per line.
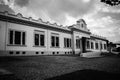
<point x="19" y="19"/>
<point x="98" y="37"/>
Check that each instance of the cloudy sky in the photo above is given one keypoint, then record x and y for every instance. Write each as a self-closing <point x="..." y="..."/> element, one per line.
<point x="101" y="19"/>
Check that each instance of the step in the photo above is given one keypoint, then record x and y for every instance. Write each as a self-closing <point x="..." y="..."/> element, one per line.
<point x="91" y="54"/>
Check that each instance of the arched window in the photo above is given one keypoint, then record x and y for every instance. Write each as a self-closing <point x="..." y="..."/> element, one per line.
<point x="82" y="25"/>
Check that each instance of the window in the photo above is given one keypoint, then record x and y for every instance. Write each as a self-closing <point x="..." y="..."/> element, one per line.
<point x="17" y="52"/>
<point x="54" y="40"/>
<point x="23" y="52"/>
<point x="11" y="37"/>
<point x="57" y="41"/>
<point x="53" y="53"/>
<point x="67" y="42"/>
<point x="23" y="38"/>
<point x="92" y="46"/>
<point x="88" y="44"/>
<point x="68" y="52"/>
<point x="39" y="38"/>
<point x="96" y="45"/>
<point x="65" y="52"/>
<point x="37" y="52"/>
<point x="70" y="42"/>
<point x="42" y="52"/>
<point x="105" y="47"/>
<point x="82" y="25"/>
<point x="16" y="37"/>
<point x="11" y="52"/>
<point x="77" y="43"/>
<point x="42" y="40"/>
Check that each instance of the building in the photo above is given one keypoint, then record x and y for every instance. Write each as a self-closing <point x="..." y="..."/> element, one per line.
<point x="25" y="36"/>
<point x="114" y="47"/>
<point x="117" y="44"/>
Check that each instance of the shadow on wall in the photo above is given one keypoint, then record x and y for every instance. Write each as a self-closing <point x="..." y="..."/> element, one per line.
<point x="87" y="75"/>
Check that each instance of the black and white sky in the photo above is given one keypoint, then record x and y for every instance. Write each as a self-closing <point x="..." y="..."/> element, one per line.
<point x="101" y="19"/>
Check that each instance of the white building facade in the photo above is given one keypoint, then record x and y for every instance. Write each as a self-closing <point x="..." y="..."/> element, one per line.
<point x="21" y="36"/>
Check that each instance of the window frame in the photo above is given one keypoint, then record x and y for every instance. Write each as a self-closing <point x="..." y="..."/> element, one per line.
<point x="56" y="44"/>
<point x="77" y="43"/>
<point x="105" y="46"/>
<point x="82" y="25"/>
<point x="39" y="33"/>
<point x="96" y="45"/>
<point x="88" y="44"/>
<point x="67" y="42"/>
<point x="92" y="45"/>
<point x="22" y="39"/>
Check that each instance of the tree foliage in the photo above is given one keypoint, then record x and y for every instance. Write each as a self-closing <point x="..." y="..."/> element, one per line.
<point x="111" y="2"/>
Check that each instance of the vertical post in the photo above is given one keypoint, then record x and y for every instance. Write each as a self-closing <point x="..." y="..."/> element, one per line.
<point x="5" y="35"/>
<point x="81" y="47"/>
<point x="21" y="42"/>
<point x="46" y="43"/>
<point x="89" y="44"/>
<point x="100" y="48"/>
<point x="73" y="43"/>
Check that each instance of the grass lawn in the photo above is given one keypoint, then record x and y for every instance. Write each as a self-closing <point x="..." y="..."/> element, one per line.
<point x="47" y="67"/>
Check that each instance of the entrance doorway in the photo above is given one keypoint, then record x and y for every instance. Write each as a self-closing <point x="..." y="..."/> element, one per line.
<point x="83" y="44"/>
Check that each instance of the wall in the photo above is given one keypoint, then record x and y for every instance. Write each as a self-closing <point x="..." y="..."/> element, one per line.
<point x="2" y="35"/>
<point x="80" y="35"/>
<point x="29" y="47"/>
<point x="61" y="42"/>
<point x="99" y="46"/>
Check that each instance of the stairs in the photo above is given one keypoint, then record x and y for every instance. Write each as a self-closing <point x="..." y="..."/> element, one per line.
<point x="91" y="54"/>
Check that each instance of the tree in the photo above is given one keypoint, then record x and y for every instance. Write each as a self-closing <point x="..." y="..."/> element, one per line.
<point x="111" y="2"/>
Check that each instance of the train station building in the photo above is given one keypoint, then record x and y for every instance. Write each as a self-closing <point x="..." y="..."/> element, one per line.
<point x="21" y="36"/>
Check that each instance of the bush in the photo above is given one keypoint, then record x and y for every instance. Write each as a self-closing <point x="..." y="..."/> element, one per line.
<point x="118" y="49"/>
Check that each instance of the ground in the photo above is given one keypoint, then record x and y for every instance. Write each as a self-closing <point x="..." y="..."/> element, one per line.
<point x="61" y="67"/>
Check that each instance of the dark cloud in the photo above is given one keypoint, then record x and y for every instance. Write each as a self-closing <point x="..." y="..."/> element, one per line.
<point x="22" y="3"/>
<point x="113" y="15"/>
<point x="57" y="9"/>
<point x="114" y="12"/>
<point x="75" y="8"/>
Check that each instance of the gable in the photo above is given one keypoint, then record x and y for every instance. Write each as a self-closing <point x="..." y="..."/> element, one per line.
<point x="81" y="24"/>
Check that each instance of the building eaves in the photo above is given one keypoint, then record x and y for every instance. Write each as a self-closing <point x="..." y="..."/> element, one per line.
<point x="31" y="20"/>
<point x="98" y="37"/>
<point x="78" y="29"/>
